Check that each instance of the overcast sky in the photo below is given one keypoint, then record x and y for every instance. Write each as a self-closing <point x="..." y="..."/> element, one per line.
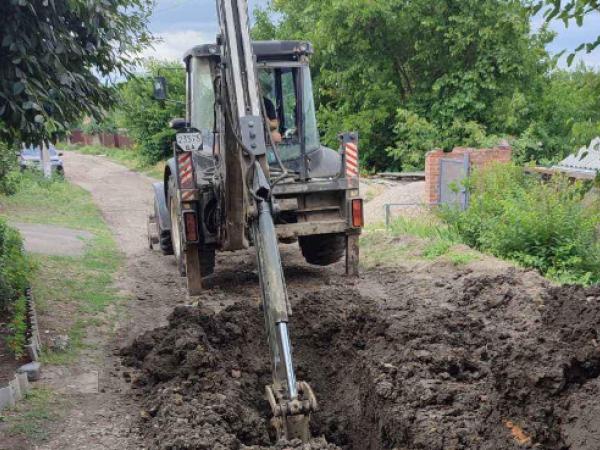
<point x="181" y="24"/>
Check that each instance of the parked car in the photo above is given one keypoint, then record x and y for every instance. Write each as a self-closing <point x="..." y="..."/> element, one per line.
<point x="31" y="158"/>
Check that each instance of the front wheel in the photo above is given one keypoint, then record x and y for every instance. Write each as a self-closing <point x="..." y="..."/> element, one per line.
<point x="323" y="249"/>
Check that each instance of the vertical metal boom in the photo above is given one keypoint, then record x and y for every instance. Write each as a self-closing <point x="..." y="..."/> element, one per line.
<point x="291" y="401"/>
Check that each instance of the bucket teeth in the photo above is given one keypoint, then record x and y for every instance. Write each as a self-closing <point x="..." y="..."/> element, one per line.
<point x="291" y="418"/>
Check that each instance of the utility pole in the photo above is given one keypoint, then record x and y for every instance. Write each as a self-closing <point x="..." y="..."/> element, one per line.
<point x="46" y="165"/>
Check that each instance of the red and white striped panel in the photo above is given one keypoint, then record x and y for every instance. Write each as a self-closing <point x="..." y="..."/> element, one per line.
<point x="352" y="168"/>
<point x="186" y="171"/>
<point x="188" y="196"/>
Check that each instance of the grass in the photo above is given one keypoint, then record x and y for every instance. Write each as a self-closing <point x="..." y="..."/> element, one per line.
<point x="130" y="158"/>
<point x="71" y="292"/>
<point x="29" y="417"/>
<point x="423" y="237"/>
<point x="75" y="296"/>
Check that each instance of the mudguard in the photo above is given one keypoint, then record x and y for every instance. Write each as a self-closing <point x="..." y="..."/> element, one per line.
<point x="160" y="203"/>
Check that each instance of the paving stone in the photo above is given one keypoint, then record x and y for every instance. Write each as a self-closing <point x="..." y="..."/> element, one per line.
<point x="23" y="382"/>
<point x="16" y="389"/>
<point x="32" y="352"/>
<point x="33" y="371"/>
<point x="6" y="398"/>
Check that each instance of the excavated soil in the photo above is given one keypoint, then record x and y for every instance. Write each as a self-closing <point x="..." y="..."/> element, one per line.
<point x="403" y="359"/>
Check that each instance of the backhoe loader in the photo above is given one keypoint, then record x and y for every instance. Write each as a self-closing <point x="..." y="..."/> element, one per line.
<point x="249" y="170"/>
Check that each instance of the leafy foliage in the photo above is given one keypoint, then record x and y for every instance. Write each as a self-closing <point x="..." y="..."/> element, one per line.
<point x="54" y="54"/>
<point x="16" y="340"/>
<point x="14" y="273"/>
<point x="575" y="10"/>
<point x="13" y="265"/>
<point x="146" y="118"/>
<point x="448" y="62"/>
<point x="417" y="136"/>
<point x="9" y="175"/>
<point x="541" y="225"/>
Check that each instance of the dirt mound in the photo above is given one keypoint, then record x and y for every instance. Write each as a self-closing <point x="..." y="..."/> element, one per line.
<point x="463" y="362"/>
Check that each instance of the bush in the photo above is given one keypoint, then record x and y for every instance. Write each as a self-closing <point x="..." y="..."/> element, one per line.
<point x="146" y="118"/>
<point x="543" y="225"/>
<point x="9" y="174"/>
<point x="14" y="272"/>
<point x="416" y="136"/>
<point x="14" y="266"/>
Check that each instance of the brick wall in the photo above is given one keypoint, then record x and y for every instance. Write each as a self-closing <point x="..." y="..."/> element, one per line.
<point x="104" y="139"/>
<point x="477" y="157"/>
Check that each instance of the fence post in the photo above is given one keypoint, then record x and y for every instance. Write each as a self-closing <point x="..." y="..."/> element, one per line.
<point x="387" y="209"/>
<point x="46" y="164"/>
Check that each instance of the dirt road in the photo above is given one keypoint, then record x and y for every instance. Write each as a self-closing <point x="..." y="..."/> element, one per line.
<point x="103" y="413"/>
<point x="425" y="355"/>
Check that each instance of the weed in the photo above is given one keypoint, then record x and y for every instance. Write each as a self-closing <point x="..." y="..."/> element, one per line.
<point x="536" y="224"/>
<point x="18" y="327"/>
<point x="463" y="258"/>
<point x="436" y="248"/>
<point x="422" y="236"/>
<point x="31" y="417"/>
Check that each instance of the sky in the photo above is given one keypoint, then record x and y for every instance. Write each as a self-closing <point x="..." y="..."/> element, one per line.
<point x="181" y="24"/>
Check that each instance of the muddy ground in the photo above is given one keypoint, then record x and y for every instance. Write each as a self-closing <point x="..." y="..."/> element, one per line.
<point x="419" y="358"/>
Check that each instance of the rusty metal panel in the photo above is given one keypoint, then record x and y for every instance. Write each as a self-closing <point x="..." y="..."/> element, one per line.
<point x="453" y="173"/>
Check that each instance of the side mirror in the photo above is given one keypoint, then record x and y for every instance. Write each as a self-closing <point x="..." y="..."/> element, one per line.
<point x="178" y="124"/>
<point x="160" y="88"/>
<point x="60" y="153"/>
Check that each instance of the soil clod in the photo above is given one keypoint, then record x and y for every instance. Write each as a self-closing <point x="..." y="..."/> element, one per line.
<point x="477" y="366"/>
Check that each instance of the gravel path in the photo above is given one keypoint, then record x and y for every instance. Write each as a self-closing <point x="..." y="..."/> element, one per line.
<point x="407" y="193"/>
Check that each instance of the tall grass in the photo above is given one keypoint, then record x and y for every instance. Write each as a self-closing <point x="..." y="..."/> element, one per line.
<point x="537" y="224"/>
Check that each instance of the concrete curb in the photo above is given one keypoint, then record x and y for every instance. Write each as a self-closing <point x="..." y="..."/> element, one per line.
<point x="34" y="343"/>
<point x="19" y="386"/>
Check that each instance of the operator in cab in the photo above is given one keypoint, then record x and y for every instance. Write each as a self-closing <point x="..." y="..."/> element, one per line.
<point x="273" y="120"/>
<point x="270" y="110"/>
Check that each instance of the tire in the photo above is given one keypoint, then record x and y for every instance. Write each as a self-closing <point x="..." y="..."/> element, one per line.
<point x="323" y="249"/>
<point x="206" y="255"/>
<point x="164" y="236"/>
<point x="176" y="237"/>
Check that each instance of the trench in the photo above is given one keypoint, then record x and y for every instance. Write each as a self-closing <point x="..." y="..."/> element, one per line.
<point x="488" y="372"/>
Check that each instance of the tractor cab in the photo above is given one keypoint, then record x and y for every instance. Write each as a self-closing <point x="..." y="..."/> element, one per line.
<point x="287" y="103"/>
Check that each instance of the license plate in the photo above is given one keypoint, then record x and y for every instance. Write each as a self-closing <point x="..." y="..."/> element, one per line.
<point x="189" y="141"/>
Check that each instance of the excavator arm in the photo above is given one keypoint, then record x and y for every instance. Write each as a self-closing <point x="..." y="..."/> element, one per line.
<point x="246" y="165"/>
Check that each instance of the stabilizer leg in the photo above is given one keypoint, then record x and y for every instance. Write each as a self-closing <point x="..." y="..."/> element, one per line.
<point x="352" y="255"/>
<point x="193" y="271"/>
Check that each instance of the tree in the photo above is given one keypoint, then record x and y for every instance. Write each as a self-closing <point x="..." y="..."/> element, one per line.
<point x="147" y="118"/>
<point x="453" y="63"/>
<point x="571" y="10"/>
<point x="55" y="54"/>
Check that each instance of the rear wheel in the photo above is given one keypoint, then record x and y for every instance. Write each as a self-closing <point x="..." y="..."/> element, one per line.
<point x="164" y="236"/>
<point x="195" y="261"/>
<point x="176" y="236"/>
<point x="323" y="249"/>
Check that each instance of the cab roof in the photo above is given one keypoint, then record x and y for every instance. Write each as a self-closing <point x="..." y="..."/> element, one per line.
<point x="264" y="50"/>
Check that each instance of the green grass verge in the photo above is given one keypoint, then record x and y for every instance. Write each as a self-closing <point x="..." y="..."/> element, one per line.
<point x="70" y="291"/>
<point x="130" y="158"/>
<point x="74" y="295"/>
<point x="423" y="237"/>
<point x="31" y="416"/>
